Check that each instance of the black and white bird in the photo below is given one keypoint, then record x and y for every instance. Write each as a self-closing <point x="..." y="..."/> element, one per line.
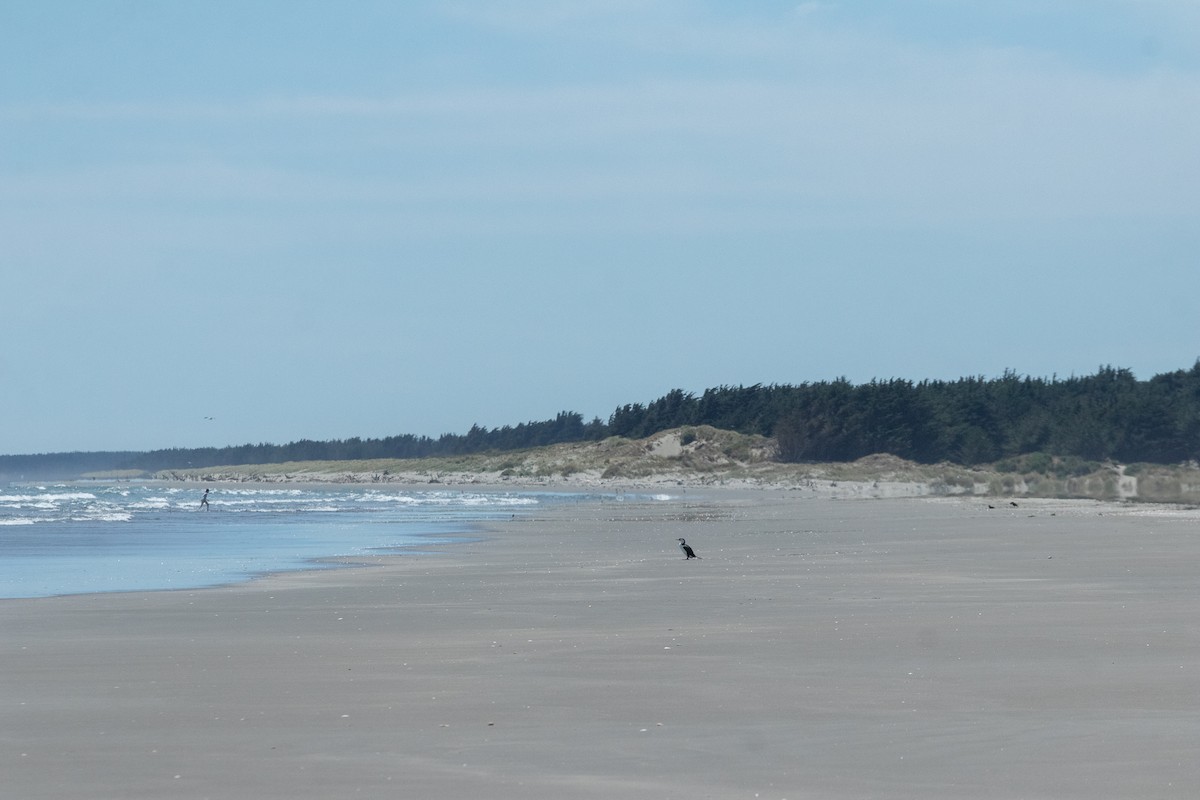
<point x="688" y="552"/>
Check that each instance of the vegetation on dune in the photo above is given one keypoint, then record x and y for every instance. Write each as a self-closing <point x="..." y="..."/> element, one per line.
<point x="1106" y="416"/>
<point x="1059" y="429"/>
<point x="701" y="455"/>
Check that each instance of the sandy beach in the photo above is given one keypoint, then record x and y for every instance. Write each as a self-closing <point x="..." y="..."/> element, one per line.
<point x="820" y="648"/>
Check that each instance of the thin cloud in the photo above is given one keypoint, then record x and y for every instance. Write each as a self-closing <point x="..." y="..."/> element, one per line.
<point x="995" y="139"/>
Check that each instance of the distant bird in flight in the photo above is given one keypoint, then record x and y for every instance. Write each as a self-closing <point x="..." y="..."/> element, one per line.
<point x="688" y="552"/>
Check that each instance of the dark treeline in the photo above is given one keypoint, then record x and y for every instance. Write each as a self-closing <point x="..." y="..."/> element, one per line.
<point x="1109" y="415"/>
<point x="566" y="427"/>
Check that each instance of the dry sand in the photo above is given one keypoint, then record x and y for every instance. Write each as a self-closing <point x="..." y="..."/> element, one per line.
<point x="822" y="648"/>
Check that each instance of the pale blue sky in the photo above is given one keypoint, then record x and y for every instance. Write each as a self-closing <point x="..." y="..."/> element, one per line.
<point x="324" y="220"/>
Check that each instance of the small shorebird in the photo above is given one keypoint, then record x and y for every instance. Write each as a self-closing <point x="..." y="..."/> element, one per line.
<point x="688" y="552"/>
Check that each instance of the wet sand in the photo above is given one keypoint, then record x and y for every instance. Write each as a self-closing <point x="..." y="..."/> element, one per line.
<point x="821" y="648"/>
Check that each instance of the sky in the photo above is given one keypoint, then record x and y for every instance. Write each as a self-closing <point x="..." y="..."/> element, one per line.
<point x="244" y="221"/>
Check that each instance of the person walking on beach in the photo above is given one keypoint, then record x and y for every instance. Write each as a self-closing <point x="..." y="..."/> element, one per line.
<point x="204" y="501"/>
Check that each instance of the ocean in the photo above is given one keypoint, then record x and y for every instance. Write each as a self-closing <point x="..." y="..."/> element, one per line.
<point x="85" y="537"/>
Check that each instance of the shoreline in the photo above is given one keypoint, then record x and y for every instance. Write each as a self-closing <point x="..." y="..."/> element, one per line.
<point x="822" y="647"/>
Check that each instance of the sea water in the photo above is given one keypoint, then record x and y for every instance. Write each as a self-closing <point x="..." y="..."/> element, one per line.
<point x="85" y="537"/>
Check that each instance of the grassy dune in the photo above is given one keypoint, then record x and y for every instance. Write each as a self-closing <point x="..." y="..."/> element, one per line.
<point x="704" y="456"/>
